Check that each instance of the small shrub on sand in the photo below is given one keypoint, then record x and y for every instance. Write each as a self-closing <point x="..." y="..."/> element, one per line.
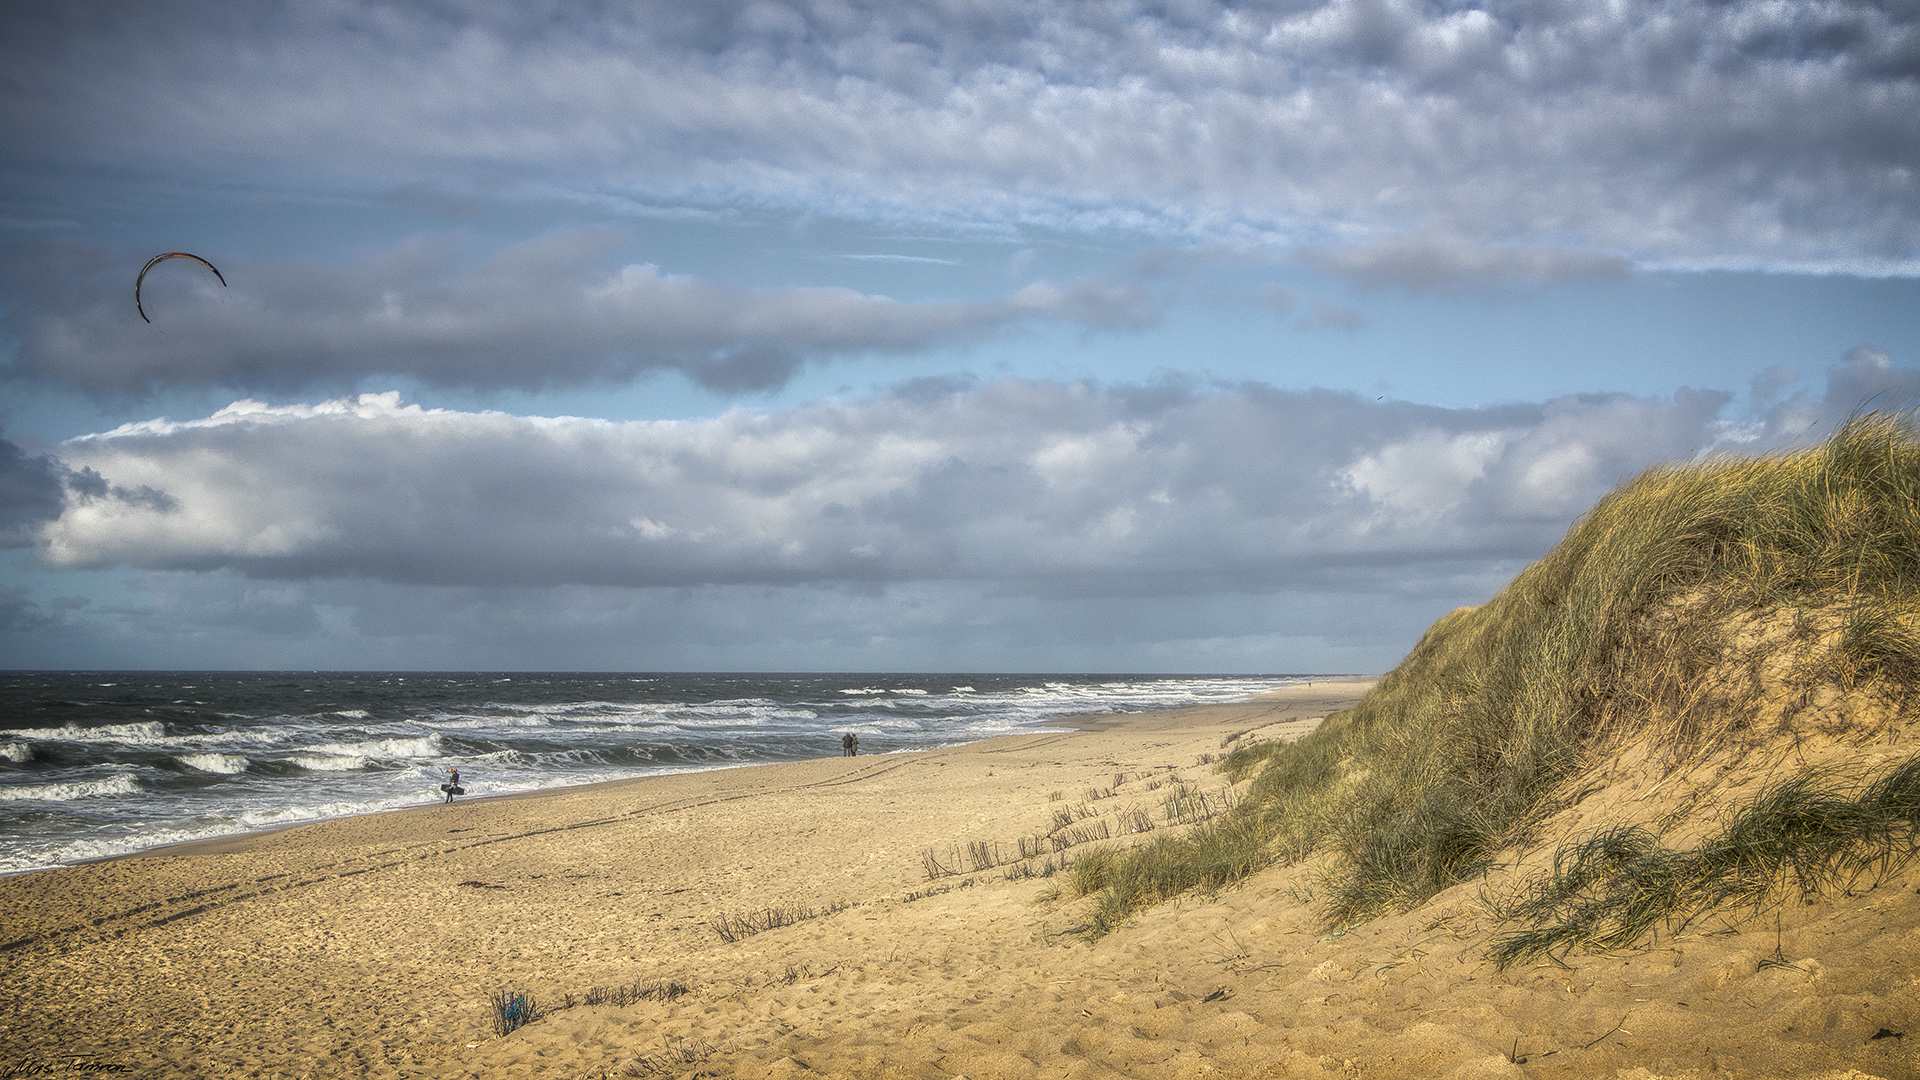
<point x="512" y="1009"/>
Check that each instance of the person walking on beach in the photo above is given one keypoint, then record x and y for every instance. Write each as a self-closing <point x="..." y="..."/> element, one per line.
<point x="846" y="745"/>
<point x="452" y="786"/>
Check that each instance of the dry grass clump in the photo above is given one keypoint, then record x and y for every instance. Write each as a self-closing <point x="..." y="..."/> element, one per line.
<point x="1022" y="871"/>
<point x="731" y="927"/>
<point x="673" y="1055"/>
<point x="1809" y="832"/>
<point x="984" y="855"/>
<point x="1629" y="629"/>
<point x="633" y="993"/>
<point x="511" y="1010"/>
<point x="1187" y="805"/>
<point x="936" y="869"/>
<point x="937" y="890"/>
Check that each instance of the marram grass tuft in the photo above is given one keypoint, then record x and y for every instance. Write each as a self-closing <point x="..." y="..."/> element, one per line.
<point x="1454" y="754"/>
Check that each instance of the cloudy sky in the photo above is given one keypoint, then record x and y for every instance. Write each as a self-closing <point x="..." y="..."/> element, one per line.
<point x="969" y="335"/>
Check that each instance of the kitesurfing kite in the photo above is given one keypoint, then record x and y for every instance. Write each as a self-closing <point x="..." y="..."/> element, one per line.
<point x="162" y="258"/>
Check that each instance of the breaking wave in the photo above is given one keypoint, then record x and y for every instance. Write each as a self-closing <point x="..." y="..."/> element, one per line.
<point x="73" y="789"/>
<point x="227" y="764"/>
<point x="150" y="731"/>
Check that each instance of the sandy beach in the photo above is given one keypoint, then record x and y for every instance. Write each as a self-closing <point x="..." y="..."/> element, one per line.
<point x="369" y="946"/>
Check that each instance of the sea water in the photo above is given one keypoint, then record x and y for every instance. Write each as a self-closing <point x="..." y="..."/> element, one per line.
<point x="94" y="764"/>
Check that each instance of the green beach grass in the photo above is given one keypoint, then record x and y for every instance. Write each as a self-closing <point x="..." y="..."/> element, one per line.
<point x="1625" y="631"/>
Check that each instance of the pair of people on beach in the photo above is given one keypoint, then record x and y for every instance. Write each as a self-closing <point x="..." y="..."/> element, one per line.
<point x="849" y="745"/>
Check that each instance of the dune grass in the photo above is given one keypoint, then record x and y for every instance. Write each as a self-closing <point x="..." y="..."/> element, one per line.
<point x="1620" y="886"/>
<point x="511" y="1010"/>
<point x="732" y="927"/>
<point x="1212" y="854"/>
<point x="1456" y="752"/>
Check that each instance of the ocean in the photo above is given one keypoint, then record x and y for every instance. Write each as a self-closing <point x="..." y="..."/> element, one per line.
<point x="94" y="764"/>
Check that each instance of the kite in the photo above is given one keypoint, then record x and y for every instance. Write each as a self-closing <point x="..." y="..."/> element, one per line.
<point x="162" y="258"/>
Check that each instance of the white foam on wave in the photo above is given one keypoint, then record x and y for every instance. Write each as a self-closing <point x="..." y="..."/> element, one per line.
<point x="227" y="764"/>
<point x="351" y="714"/>
<point x="17" y="751"/>
<point x="880" y="723"/>
<point x="382" y="749"/>
<point x="255" y="737"/>
<point x="329" y="762"/>
<point x="569" y="757"/>
<point x="147" y="731"/>
<point x="486" y="723"/>
<point x="610" y="709"/>
<point x="748" y="711"/>
<point x="72" y="789"/>
<point x="1062" y="699"/>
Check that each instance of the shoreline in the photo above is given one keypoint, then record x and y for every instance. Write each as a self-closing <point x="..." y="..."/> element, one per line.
<point x="891" y="917"/>
<point x="368" y="945"/>
<point x="236" y="842"/>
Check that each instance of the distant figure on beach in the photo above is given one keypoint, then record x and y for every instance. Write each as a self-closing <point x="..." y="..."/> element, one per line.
<point x="452" y="786"/>
<point x="849" y="746"/>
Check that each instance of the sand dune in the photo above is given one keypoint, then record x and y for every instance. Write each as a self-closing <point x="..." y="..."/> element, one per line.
<point x="369" y="946"/>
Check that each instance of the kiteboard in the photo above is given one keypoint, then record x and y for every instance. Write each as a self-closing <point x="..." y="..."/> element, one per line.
<point x="452" y="789"/>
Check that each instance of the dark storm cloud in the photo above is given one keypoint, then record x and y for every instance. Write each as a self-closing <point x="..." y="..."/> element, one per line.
<point x="552" y="312"/>
<point x="1041" y="488"/>
<point x="32" y="492"/>
<point x="1745" y="134"/>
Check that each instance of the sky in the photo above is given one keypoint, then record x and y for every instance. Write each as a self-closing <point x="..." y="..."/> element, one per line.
<point x="1088" y="336"/>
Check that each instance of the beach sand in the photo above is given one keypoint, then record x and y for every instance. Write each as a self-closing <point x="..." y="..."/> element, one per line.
<point x="369" y="946"/>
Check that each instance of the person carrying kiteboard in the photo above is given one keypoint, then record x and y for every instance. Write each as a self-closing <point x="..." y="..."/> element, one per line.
<point x="452" y="786"/>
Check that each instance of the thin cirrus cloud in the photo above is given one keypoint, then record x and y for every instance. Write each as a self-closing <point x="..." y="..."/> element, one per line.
<point x="550" y="312"/>
<point x="1029" y="486"/>
<point x="1690" y="134"/>
<point x="1442" y="266"/>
